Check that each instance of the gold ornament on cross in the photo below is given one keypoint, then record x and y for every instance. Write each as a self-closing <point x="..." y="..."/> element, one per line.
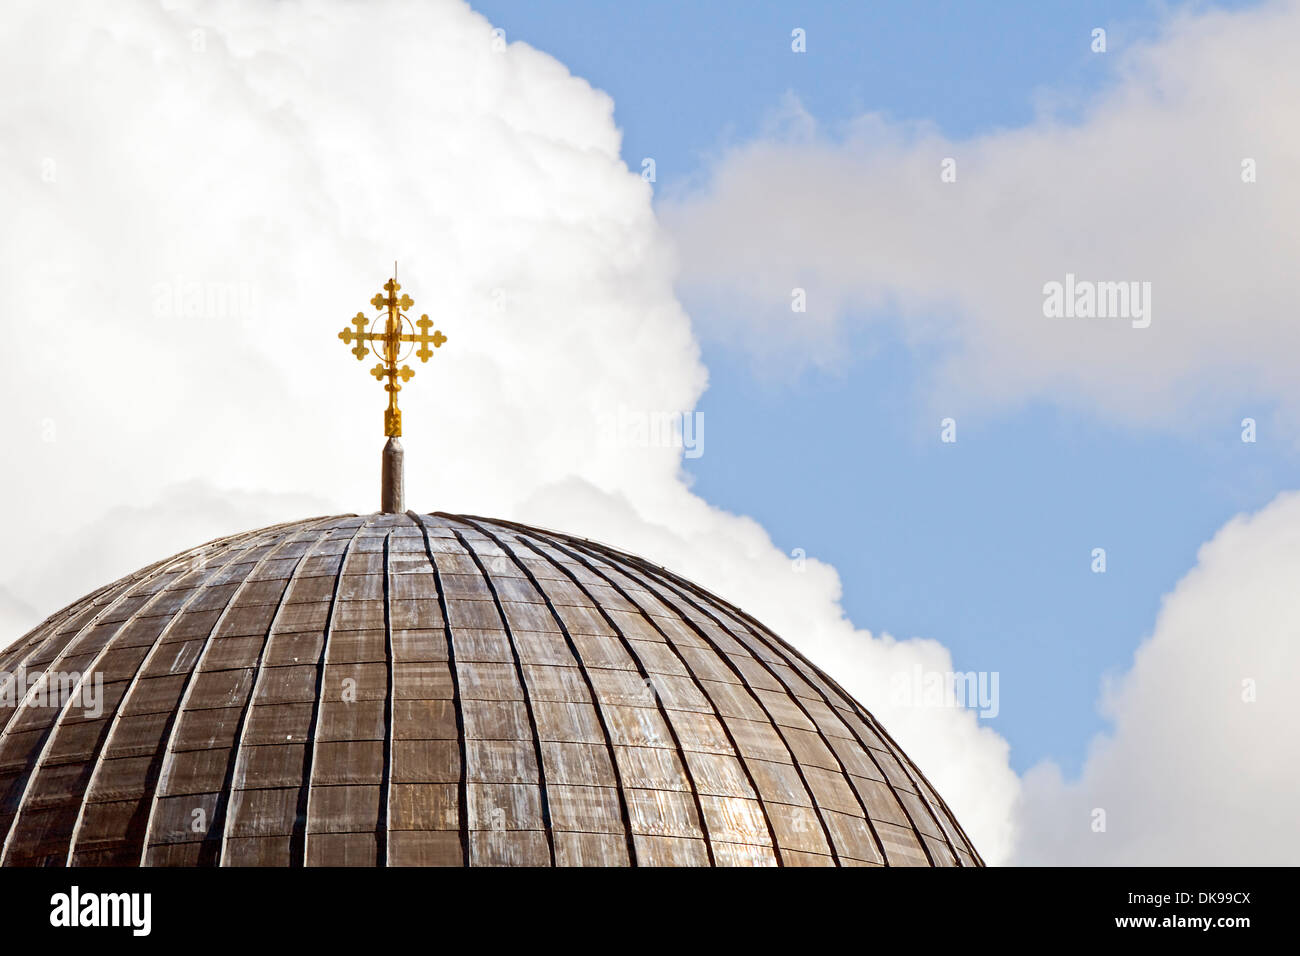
<point x="387" y="333"/>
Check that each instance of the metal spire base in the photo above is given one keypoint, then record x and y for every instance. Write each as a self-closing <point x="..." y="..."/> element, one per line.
<point x="393" y="493"/>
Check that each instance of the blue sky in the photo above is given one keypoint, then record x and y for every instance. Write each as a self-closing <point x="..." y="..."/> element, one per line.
<point x="984" y="545"/>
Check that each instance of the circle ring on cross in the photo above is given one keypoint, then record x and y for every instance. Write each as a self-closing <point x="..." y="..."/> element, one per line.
<point x="379" y="325"/>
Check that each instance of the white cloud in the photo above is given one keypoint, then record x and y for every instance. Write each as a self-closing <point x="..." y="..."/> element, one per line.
<point x="1200" y="767"/>
<point x="267" y="169"/>
<point x="1145" y="186"/>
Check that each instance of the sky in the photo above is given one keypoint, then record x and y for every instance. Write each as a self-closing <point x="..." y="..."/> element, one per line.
<point x="201" y="218"/>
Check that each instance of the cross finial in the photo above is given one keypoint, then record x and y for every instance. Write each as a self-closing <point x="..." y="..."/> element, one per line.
<point x="387" y="333"/>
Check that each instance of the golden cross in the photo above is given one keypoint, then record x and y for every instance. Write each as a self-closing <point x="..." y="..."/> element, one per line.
<point x="387" y="343"/>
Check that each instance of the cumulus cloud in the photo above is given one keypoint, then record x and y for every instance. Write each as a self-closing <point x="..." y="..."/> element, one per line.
<point x="1200" y="766"/>
<point x="1144" y="185"/>
<point x="201" y="195"/>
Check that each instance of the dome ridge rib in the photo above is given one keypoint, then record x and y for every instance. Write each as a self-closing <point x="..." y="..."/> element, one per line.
<point x="300" y="838"/>
<point x="519" y="675"/>
<point x="462" y="783"/>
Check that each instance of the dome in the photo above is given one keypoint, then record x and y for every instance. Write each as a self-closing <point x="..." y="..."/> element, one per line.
<point x="403" y="689"/>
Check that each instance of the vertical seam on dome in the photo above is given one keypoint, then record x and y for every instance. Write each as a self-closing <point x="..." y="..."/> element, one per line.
<point x="386" y="777"/>
<point x="794" y="760"/>
<point x="116" y="718"/>
<point x="735" y="747"/>
<point x="55" y="724"/>
<point x="756" y="629"/>
<point x="298" y="839"/>
<point x="586" y="678"/>
<point x="177" y="716"/>
<point x="462" y="784"/>
<point x="646" y="681"/>
<point x="523" y="689"/>
<point x="221" y="815"/>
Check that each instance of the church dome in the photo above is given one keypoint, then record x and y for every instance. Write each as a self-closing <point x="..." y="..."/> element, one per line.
<point x="402" y="689"/>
